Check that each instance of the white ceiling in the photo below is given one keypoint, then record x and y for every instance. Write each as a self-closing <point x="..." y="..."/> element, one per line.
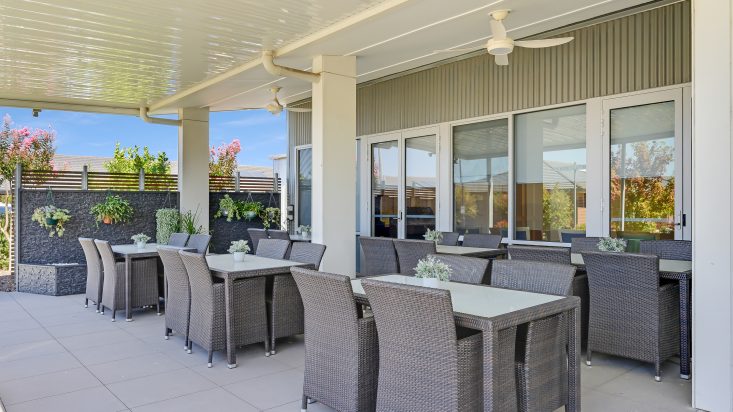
<point x="116" y="54"/>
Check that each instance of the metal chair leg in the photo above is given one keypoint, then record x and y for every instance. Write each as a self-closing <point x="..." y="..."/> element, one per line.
<point x="211" y="357"/>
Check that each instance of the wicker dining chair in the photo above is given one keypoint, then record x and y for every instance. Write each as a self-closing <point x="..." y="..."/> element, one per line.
<point x="341" y="349"/>
<point x="207" y="327"/>
<point x="200" y="242"/>
<point x="410" y="251"/>
<point x="178" y="293"/>
<point x="631" y="315"/>
<point x="143" y="287"/>
<point x="541" y="362"/>
<point x="540" y="254"/>
<point x="584" y="244"/>
<point x="286" y="306"/>
<point x="95" y="278"/>
<point x="380" y="256"/>
<point x="278" y="234"/>
<point x="466" y="269"/>
<point x="178" y="239"/>
<point x="483" y="240"/>
<point x="255" y="235"/>
<point x="449" y="239"/>
<point x="273" y="248"/>
<point x="425" y="362"/>
<point x="667" y="249"/>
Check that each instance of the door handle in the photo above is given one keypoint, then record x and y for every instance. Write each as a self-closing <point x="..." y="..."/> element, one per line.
<point x="399" y="216"/>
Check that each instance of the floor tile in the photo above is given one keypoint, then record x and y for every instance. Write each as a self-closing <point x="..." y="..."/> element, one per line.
<point x="214" y="399"/>
<point x="97" y="399"/>
<point x="17" y="337"/>
<point x="91" y="340"/>
<point x="37" y="365"/>
<point x="135" y="367"/>
<point x="29" y="350"/>
<point x="112" y="352"/>
<point x="79" y="328"/>
<point x="295" y="406"/>
<point x="271" y="390"/>
<point x="23" y="390"/>
<point x="155" y="388"/>
<point x="251" y="364"/>
<point x="604" y="369"/>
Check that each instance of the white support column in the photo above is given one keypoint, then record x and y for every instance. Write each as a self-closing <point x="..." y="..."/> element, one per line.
<point x="334" y="162"/>
<point x="712" y="174"/>
<point x="193" y="162"/>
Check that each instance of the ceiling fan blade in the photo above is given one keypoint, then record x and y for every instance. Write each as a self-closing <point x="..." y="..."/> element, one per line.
<point x="502" y="60"/>
<point x="298" y="110"/>
<point x="457" y="50"/>
<point x="498" y="30"/>
<point x="538" y="44"/>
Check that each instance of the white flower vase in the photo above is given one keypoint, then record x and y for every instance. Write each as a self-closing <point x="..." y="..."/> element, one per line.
<point x="239" y="256"/>
<point x="431" y="282"/>
<point x="140" y="245"/>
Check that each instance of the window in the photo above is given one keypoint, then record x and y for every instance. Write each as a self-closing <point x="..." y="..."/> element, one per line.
<point x="480" y="176"/>
<point x="304" y="159"/>
<point x="550" y="159"/>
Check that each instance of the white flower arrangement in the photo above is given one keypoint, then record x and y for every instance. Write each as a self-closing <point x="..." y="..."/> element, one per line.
<point x="609" y="244"/>
<point x="431" y="267"/>
<point x="305" y="230"/>
<point x="239" y="246"/>
<point x="433" y="235"/>
<point x="140" y="238"/>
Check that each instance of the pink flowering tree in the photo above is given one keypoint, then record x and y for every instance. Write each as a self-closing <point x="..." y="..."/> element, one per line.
<point x="32" y="149"/>
<point x="223" y="159"/>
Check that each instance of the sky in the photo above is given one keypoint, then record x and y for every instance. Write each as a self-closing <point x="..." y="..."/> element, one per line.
<point x="260" y="133"/>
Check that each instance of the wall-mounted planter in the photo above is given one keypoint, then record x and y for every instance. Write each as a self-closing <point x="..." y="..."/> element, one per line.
<point x="52" y="279"/>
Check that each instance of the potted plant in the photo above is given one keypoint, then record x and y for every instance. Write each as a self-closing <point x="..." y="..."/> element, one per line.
<point x="270" y="216"/>
<point x="433" y="235"/>
<point x="305" y="230"/>
<point x="140" y="240"/>
<point x="610" y="244"/>
<point x="239" y="249"/>
<point x="114" y="209"/>
<point x="228" y="208"/>
<point x="432" y="271"/>
<point x="52" y="219"/>
<point x="167" y="222"/>
<point x="250" y="209"/>
<point x="190" y="223"/>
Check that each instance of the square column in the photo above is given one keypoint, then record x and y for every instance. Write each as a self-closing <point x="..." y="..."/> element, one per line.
<point x="334" y="162"/>
<point x="193" y="163"/>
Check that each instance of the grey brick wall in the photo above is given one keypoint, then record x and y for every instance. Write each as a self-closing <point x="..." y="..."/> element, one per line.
<point x="223" y="232"/>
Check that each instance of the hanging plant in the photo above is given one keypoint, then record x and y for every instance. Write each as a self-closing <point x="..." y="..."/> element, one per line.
<point x="114" y="209"/>
<point x="228" y="208"/>
<point x="251" y="209"/>
<point x="167" y="221"/>
<point x="52" y="219"/>
<point x="270" y="216"/>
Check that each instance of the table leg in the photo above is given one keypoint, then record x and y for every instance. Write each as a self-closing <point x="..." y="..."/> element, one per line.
<point x="231" y="350"/>
<point x="573" y="359"/>
<point x="490" y="342"/>
<point x="499" y="383"/>
<point x="684" y="329"/>
<point x="128" y="288"/>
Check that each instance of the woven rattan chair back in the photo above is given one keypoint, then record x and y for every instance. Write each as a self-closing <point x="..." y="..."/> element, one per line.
<point x="466" y="269"/>
<point x="202" y="298"/>
<point x="484" y="240"/>
<point x="667" y="249"/>
<point x="449" y="239"/>
<point x="178" y="297"/>
<point x="273" y="248"/>
<point x="178" y="239"/>
<point x="94" y="272"/>
<point x="410" y="251"/>
<point x="110" y="273"/>
<point x="336" y="371"/>
<point x="200" y="242"/>
<point x="380" y="256"/>
<point x="417" y="347"/>
<point x="540" y="254"/>
<point x="278" y="234"/>
<point x="305" y="252"/>
<point x="584" y="244"/>
<point x="255" y="235"/>
<point x="529" y="276"/>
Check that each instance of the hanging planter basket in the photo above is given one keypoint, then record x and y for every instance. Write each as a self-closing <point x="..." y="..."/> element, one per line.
<point x="51" y="221"/>
<point x="107" y="220"/>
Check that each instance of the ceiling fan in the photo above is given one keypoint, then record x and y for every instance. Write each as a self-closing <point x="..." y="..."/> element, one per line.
<point x="275" y="107"/>
<point x="500" y="46"/>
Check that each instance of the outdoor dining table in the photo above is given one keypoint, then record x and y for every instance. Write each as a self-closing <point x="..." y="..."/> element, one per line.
<point x="681" y="271"/>
<point x="469" y="251"/>
<point x="224" y="267"/>
<point x="491" y="310"/>
<point x="129" y="253"/>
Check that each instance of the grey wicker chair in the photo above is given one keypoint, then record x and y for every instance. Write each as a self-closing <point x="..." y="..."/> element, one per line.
<point x="631" y="315"/>
<point x="449" y="239"/>
<point x="178" y="293"/>
<point x="286" y="306"/>
<point x="144" y="281"/>
<point x="426" y="363"/>
<point x="207" y="327"/>
<point x="466" y="269"/>
<point x="540" y="254"/>
<point x="200" y="242"/>
<point x="584" y="244"/>
<point x="341" y="349"/>
<point x="541" y="363"/>
<point x="255" y="235"/>
<point x="410" y="251"/>
<point x="484" y="240"/>
<point x="178" y="239"/>
<point x="380" y="256"/>
<point x="95" y="277"/>
<point x="667" y="249"/>
<point x="278" y="234"/>
<point x="273" y="248"/>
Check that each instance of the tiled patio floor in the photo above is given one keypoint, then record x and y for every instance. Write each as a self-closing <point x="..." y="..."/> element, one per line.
<point x="57" y="356"/>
